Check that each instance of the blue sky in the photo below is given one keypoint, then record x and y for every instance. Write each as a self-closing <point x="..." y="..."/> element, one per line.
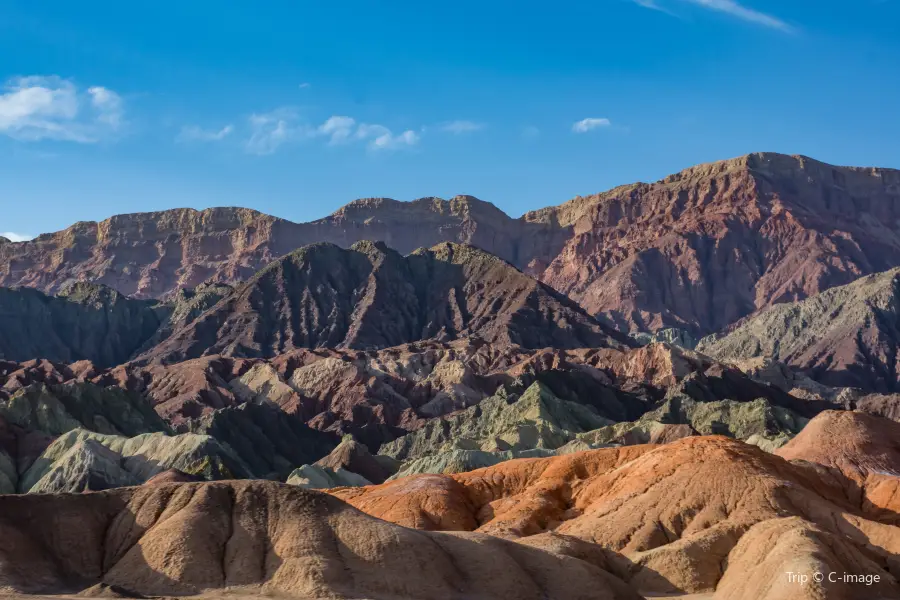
<point x="295" y="108"/>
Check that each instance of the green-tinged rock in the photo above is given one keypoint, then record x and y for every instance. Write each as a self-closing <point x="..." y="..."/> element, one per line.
<point x="769" y="444"/>
<point x="9" y="476"/>
<point x="315" y="477"/>
<point x="355" y="457"/>
<point x="141" y="457"/>
<point x="270" y="442"/>
<point x="463" y="461"/>
<point x="739" y="420"/>
<point x="58" y="409"/>
<point x="86" y="465"/>
<point x="536" y="419"/>
<point x="262" y="384"/>
<point x="670" y="335"/>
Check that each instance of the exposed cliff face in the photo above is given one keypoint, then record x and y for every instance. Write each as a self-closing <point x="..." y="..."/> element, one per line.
<point x="697" y="250"/>
<point x="151" y="255"/>
<point x="703" y="248"/>
<point x="83" y="322"/>
<point x="845" y="336"/>
<point x="371" y="297"/>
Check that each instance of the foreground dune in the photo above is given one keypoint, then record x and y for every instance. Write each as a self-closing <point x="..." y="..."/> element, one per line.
<point x="697" y="515"/>
<point x="701" y="515"/>
<point x="256" y="538"/>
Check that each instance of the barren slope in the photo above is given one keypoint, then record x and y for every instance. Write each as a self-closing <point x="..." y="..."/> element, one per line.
<point x="699" y="249"/>
<point x="371" y="297"/>
<point x="845" y="336"/>
<point x="262" y="539"/>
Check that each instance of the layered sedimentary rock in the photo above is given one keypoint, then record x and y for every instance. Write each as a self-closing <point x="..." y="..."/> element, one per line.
<point x="57" y="409"/>
<point x="695" y="515"/>
<point x="845" y="336"/>
<point x="270" y="442"/>
<point x="85" y="461"/>
<point x="534" y="419"/>
<point x="151" y="255"/>
<point x="266" y="539"/>
<point x="371" y="297"/>
<point x="83" y="322"/>
<point x="697" y="250"/>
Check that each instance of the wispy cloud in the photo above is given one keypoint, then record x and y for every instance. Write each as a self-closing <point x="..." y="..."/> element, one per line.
<point x="270" y="131"/>
<point x="337" y="129"/>
<point x="16" y="237"/>
<point x="461" y="127"/>
<point x="585" y="125"/>
<point x="730" y="7"/>
<point x="381" y="138"/>
<point x="192" y="133"/>
<point x="304" y="85"/>
<point x="51" y="108"/>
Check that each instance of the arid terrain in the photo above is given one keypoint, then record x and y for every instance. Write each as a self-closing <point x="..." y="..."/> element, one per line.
<point x="688" y="388"/>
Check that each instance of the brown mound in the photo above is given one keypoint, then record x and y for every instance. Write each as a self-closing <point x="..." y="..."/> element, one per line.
<point x="172" y="476"/>
<point x="677" y="511"/>
<point x="864" y="448"/>
<point x="857" y="443"/>
<point x="266" y="538"/>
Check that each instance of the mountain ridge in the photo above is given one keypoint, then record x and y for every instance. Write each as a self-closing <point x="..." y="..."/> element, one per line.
<point x="740" y="234"/>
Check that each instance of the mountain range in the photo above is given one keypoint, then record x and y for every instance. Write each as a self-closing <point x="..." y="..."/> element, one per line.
<point x="697" y="250"/>
<point x="684" y="387"/>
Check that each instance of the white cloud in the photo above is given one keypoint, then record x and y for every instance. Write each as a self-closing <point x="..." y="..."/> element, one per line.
<point x="730" y="7"/>
<point x="51" y="108"/>
<point x="382" y="138"/>
<point x="460" y="127"/>
<point x="270" y="131"/>
<point x="585" y="125"/>
<point x="16" y="237"/>
<point x="107" y="105"/>
<point x="304" y="85"/>
<point x="192" y="133"/>
<point x="339" y="129"/>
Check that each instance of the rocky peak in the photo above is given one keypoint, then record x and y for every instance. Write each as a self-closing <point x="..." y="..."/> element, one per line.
<point x="371" y="297"/>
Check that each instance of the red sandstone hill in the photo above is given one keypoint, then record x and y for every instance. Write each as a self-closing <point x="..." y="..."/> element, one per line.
<point x="697" y="515"/>
<point x="698" y="250"/>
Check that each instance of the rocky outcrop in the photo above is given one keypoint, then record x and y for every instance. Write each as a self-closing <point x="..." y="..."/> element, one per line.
<point x="57" y="409"/>
<point x="354" y="457"/>
<point x="82" y="460"/>
<point x="697" y="250"/>
<point x="534" y="419"/>
<point x="705" y="247"/>
<point x="84" y="322"/>
<point x="699" y="514"/>
<point x="316" y="477"/>
<point x="151" y="255"/>
<point x="370" y="297"/>
<point x="270" y="442"/>
<point x="848" y="336"/>
<point x="450" y="462"/>
<point x="266" y="539"/>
